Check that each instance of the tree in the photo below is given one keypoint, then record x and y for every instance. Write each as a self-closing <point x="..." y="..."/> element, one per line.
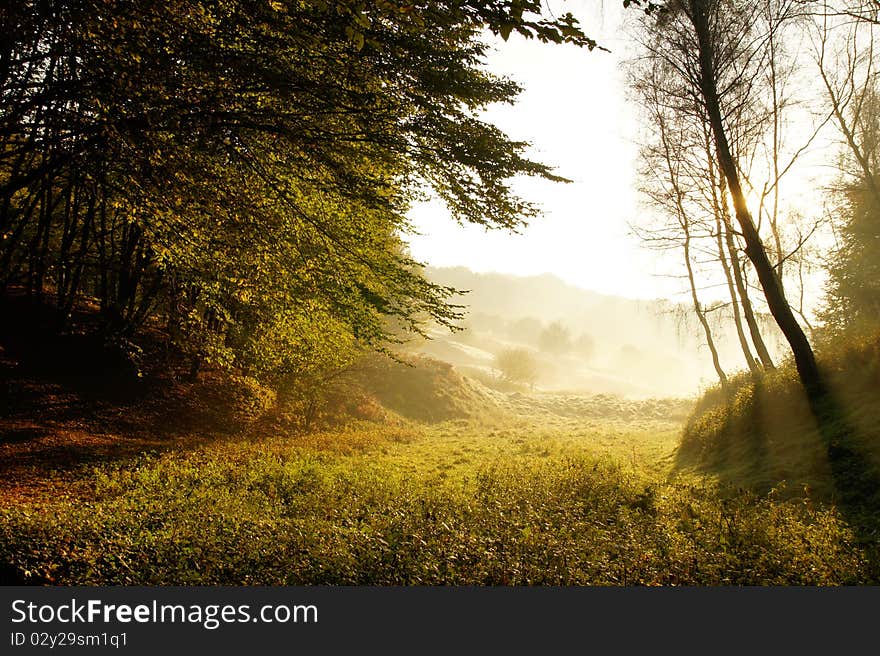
<point x="846" y="59"/>
<point x="700" y="13"/>
<point x="669" y="181"/>
<point x="679" y="162"/>
<point x="517" y="366"/>
<point x="555" y="338"/>
<point x="853" y="288"/>
<point x="241" y="171"/>
<point x="716" y="47"/>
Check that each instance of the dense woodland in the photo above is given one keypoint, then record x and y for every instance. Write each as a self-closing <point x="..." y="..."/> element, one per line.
<point x="227" y="182"/>
<point x="239" y="172"/>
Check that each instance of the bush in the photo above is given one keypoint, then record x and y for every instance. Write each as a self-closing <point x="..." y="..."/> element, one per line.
<point x="556" y="338"/>
<point x="517" y="366"/>
<point x="760" y="431"/>
<point x="230" y="401"/>
<point x="249" y="398"/>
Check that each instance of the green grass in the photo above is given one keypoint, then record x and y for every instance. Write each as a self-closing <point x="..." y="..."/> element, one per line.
<point x="760" y="433"/>
<point x="585" y="494"/>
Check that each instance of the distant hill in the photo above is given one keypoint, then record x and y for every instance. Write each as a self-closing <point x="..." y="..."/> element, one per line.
<point x="605" y="344"/>
<point x="550" y="298"/>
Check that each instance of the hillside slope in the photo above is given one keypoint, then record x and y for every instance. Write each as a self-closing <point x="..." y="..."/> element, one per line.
<point x="761" y="433"/>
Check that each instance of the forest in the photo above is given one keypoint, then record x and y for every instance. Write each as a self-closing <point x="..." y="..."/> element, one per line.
<point x="220" y="363"/>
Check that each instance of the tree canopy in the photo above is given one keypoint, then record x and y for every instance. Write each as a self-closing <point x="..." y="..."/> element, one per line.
<point x="241" y="170"/>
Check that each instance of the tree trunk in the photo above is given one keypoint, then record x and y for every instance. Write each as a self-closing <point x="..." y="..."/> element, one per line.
<point x="698" y="309"/>
<point x="719" y="208"/>
<point x="684" y="222"/>
<point x="805" y="360"/>
<point x="743" y="290"/>
<point x="748" y="310"/>
<point x="737" y="317"/>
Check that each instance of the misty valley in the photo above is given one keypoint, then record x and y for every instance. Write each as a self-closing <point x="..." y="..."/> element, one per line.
<point x="420" y="470"/>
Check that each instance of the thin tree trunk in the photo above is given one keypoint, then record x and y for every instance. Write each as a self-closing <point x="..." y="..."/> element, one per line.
<point x="734" y="300"/>
<point x="748" y="310"/>
<point x="743" y="290"/>
<point x="698" y="309"/>
<point x="805" y="360"/>
<point x="684" y="222"/>
<point x="774" y="212"/>
<point x="719" y="208"/>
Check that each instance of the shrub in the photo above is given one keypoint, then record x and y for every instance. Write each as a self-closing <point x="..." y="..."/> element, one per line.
<point x="517" y="366"/>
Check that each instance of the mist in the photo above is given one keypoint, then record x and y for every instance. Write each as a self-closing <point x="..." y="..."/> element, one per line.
<point x="580" y="340"/>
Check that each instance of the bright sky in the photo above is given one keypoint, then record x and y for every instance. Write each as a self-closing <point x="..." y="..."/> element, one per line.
<point x="574" y="111"/>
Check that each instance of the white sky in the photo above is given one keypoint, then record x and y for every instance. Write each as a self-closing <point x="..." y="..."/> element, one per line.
<point x="574" y="111"/>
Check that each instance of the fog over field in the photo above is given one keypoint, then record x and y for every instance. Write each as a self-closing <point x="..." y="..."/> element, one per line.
<point x="581" y="340"/>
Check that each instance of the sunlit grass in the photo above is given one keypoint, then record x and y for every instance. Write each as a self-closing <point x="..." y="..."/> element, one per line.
<point x="761" y="433"/>
<point x="533" y="499"/>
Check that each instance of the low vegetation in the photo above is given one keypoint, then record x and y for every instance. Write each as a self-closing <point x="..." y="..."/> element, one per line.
<point x="760" y="431"/>
<point x="550" y="489"/>
<point x="414" y="509"/>
<point x="760" y="434"/>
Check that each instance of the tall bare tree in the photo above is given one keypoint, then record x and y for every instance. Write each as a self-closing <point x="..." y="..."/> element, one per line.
<point x="720" y="51"/>
<point x="665" y="189"/>
<point x="670" y="95"/>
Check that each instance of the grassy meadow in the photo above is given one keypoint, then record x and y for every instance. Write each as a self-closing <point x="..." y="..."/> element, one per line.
<point x="545" y="489"/>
